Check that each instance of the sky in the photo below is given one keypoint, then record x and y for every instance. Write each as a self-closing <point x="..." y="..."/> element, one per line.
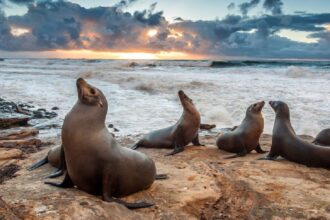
<point x="165" y="29"/>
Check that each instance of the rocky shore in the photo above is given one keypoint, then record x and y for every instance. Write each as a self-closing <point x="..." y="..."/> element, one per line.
<point x="201" y="185"/>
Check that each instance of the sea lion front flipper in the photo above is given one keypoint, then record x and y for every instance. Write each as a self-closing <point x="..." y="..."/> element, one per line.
<point x="66" y="183"/>
<point x="38" y="164"/>
<point x="259" y="150"/>
<point x="161" y="177"/>
<point x="233" y="128"/>
<point x="273" y="154"/>
<point x="106" y="196"/>
<point x="129" y="205"/>
<point x="267" y="158"/>
<point x="240" y="154"/>
<point x="177" y="149"/>
<point x="178" y="141"/>
<point x="195" y="141"/>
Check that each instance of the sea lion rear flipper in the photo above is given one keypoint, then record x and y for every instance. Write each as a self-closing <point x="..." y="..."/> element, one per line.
<point x="57" y="173"/>
<point x="38" y="164"/>
<point x="240" y="154"/>
<point x="259" y="150"/>
<point x="135" y="146"/>
<point x="62" y="168"/>
<point x="196" y="142"/>
<point x="161" y="177"/>
<point x="66" y="183"/>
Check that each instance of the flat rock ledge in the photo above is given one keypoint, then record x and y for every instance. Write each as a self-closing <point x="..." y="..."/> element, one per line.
<point x="201" y="185"/>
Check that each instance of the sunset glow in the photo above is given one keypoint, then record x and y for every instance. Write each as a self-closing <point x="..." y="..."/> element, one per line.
<point x="18" y="31"/>
<point x="152" y="33"/>
<point x="80" y="54"/>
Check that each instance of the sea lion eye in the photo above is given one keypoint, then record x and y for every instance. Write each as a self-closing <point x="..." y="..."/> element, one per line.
<point x="93" y="92"/>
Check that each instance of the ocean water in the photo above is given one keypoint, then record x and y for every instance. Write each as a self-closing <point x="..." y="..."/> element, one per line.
<point x="142" y="95"/>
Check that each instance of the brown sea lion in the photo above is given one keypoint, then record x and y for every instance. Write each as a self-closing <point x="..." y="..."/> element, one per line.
<point x="323" y="138"/>
<point x="95" y="162"/>
<point x="178" y="135"/>
<point x="53" y="158"/>
<point x="287" y="144"/>
<point x="244" y="138"/>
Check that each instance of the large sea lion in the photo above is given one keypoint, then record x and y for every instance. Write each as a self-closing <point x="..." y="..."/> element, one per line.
<point x="244" y="138"/>
<point x="323" y="138"/>
<point x="95" y="162"/>
<point x="287" y="144"/>
<point x="178" y="135"/>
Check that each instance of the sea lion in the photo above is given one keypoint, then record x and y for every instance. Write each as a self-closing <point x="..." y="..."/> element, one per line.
<point x="53" y="158"/>
<point x="244" y="138"/>
<point x="178" y="135"/>
<point x="323" y="138"/>
<point x="287" y="144"/>
<point x="95" y="162"/>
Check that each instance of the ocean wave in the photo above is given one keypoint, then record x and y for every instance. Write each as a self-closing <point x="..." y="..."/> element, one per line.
<point x="265" y="63"/>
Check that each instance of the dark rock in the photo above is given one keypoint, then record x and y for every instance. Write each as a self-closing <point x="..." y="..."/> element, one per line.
<point x="14" y="119"/>
<point x="110" y="126"/>
<point x="8" y="172"/>
<point x="55" y="108"/>
<point x="38" y="114"/>
<point x="206" y="126"/>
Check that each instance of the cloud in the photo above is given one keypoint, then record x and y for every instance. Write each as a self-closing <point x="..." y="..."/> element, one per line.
<point x="275" y="6"/>
<point x="246" y="6"/>
<point x="64" y="25"/>
<point x="231" y="6"/>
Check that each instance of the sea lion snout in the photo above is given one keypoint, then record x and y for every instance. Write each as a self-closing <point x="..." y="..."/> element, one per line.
<point x="80" y="81"/>
<point x="180" y="93"/>
<point x="88" y="94"/>
<point x="183" y="97"/>
<point x="272" y="104"/>
<point x="257" y="107"/>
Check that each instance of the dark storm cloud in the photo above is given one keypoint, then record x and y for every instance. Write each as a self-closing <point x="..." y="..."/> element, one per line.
<point x="65" y="25"/>
<point x="275" y="6"/>
<point x="246" y="6"/>
<point x="238" y="36"/>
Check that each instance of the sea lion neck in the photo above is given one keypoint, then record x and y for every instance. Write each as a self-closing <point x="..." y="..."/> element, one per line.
<point x="88" y="116"/>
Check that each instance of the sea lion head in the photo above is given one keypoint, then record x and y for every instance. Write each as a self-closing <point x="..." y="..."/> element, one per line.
<point x="280" y="108"/>
<point x="186" y="102"/>
<point x="255" y="108"/>
<point x="90" y="95"/>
